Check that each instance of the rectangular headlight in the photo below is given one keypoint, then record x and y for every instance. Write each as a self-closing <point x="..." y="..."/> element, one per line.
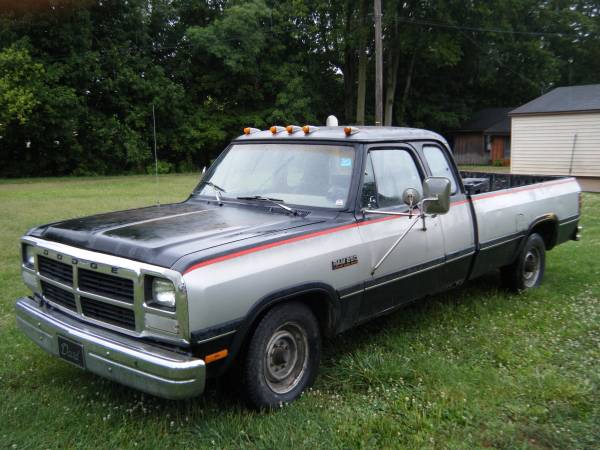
<point x="160" y="293"/>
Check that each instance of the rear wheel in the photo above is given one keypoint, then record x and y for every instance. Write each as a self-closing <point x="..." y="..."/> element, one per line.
<point x="528" y="269"/>
<point x="283" y="356"/>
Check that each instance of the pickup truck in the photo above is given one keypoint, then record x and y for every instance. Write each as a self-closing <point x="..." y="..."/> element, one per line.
<point x="292" y="235"/>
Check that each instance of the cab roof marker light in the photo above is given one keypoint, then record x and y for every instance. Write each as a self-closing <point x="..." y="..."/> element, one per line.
<point x="309" y="129"/>
<point x="250" y="130"/>
<point x="351" y="130"/>
<point x="291" y="129"/>
<point x="275" y="129"/>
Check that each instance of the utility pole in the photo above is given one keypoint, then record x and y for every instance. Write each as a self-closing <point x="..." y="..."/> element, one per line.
<point x="378" y="65"/>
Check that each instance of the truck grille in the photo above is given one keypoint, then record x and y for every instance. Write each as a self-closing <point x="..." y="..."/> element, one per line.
<point x="77" y="290"/>
<point x="106" y="312"/>
<point x="58" y="295"/>
<point x="55" y="270"/>
<point x="106" y="285"/>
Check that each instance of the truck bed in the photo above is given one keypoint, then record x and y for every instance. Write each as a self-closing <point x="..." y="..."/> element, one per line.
<point x="480" y="182"/>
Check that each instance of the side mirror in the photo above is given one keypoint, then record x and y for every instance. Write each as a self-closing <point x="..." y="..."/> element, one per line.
<point x="411" y="197"/>
<point x="436" y="195"/>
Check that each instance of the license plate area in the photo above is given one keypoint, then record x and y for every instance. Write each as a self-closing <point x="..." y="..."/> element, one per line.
<point x="71" y="351"/>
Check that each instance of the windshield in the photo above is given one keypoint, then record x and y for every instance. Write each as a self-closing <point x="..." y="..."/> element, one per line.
<point x="299" y="174"/>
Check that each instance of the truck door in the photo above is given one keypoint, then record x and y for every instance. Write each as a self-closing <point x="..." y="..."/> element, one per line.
<point x="410" y="270"/>
<point x="457" y="224"/>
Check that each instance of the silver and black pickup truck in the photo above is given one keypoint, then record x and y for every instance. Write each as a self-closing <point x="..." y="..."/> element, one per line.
<point x="293" y="234"/>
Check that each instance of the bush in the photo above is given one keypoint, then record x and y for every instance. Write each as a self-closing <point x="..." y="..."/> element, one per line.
<point x="163" y="168"/>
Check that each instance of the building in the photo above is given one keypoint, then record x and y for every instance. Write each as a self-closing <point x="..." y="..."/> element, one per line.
<point x="484" y="139"/>
<point x="559" y="134"/>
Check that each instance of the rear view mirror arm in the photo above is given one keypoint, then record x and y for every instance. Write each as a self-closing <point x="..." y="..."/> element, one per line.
<point x="415" y="219"/>
<point x="387" y="213"/>
<point x="423" y="215"/>
<point x="402" y="236"/>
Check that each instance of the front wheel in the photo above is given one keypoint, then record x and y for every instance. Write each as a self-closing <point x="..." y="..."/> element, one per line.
<point x="528" y="269"/>
<point x="283" y="356"/>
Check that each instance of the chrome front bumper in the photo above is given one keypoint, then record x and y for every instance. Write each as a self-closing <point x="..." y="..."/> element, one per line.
<point x="125" y="360"/>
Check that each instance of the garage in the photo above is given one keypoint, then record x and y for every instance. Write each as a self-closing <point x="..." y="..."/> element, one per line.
<point x="559" y="134"/>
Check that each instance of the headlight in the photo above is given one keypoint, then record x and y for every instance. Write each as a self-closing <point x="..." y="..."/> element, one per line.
<point x="28" y="256"/>
<point x="163" y="293"/>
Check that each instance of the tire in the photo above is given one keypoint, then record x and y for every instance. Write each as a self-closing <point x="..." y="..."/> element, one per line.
<point x="283" y="356"/>
<point x="527" y="271"/>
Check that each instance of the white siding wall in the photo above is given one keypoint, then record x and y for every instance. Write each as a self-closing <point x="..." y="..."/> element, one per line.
<point x="543" y="144"/>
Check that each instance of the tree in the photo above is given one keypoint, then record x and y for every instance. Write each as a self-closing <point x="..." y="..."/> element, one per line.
<point x="20" y="81"/>
<point x="78" y="79"/>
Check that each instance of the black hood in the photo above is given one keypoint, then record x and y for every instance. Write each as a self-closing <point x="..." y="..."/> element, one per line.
<point x="161" y="235"/>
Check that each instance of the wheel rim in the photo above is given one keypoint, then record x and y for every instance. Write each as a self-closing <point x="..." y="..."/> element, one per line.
<point x="286" y="358"/>
<point x="531" y="267"/>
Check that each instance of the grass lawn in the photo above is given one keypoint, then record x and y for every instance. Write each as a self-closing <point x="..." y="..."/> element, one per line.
<point x="486" y="168"/>
<point x="472" y="368"/>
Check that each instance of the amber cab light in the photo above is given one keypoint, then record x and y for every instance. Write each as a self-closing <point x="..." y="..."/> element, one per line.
<point x="349" y="131"/>
<point x="275" y="129"/>
<point x="309" y="129"/>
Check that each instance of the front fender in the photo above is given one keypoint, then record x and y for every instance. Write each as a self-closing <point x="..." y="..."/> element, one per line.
<point x="233" y="335"/>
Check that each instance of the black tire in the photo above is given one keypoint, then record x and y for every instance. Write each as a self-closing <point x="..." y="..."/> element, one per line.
<point x="283" y="356"/>
<point x="527" y="271"/>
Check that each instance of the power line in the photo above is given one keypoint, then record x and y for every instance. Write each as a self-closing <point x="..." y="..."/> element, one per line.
<point x="502" y="63"/>
<point x="432" y="23"/>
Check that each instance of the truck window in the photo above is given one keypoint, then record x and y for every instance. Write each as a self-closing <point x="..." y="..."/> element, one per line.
<point x="393" y="171"/>
<point x="368" y="196"/>
<point x="439" y="164"/>
<point x="313" y="175"/>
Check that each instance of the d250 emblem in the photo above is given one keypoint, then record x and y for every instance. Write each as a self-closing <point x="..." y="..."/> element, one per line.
<point x="340" y="263"/>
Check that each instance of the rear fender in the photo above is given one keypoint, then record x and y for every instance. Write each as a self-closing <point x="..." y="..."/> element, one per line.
<point x="547" y="226"/>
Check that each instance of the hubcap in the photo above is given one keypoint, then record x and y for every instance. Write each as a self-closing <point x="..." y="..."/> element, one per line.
<point x="531" y="267"/>
<point x="286" y="357"/>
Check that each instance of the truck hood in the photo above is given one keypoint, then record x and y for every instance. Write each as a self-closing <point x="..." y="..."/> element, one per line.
<point x="161" y="235"/>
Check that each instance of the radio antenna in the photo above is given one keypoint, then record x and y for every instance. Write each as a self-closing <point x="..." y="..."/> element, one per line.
<point x="155" y="155"/>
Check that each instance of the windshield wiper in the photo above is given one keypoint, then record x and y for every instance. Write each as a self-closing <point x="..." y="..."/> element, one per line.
<point x="275" y="201"/>
<point x="218" y="189"/>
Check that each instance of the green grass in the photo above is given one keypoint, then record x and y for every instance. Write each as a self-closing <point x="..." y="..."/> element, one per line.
<point x="472" y="368"/>
<point x="486" y="168"/>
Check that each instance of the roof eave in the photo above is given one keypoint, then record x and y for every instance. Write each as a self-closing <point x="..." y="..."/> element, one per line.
<point x="496" y="133"/>
<point x="549" y="113"/>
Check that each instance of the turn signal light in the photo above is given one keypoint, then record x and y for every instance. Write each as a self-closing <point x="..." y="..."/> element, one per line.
<point x="291" y="129"/>
<point x="249" y="130"/>
<point x="216" y="356"/>
<point x="351" y="130"/>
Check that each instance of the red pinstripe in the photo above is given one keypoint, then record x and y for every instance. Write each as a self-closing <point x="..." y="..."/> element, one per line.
<point x="353" y="225"/>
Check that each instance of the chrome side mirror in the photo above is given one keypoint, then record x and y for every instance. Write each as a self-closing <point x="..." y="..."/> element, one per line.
<point x="436" y="195"/>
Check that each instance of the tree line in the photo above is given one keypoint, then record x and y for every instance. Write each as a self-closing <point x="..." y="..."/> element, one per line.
<point x="79" y="78"/>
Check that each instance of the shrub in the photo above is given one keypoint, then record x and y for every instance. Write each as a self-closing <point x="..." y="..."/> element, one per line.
<point x="163" y="167"/>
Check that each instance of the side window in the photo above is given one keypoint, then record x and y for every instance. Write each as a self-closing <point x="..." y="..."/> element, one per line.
<point x="439" y="164"/>
<point x="368" y="196"/>
<point x="391" y="172"/>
